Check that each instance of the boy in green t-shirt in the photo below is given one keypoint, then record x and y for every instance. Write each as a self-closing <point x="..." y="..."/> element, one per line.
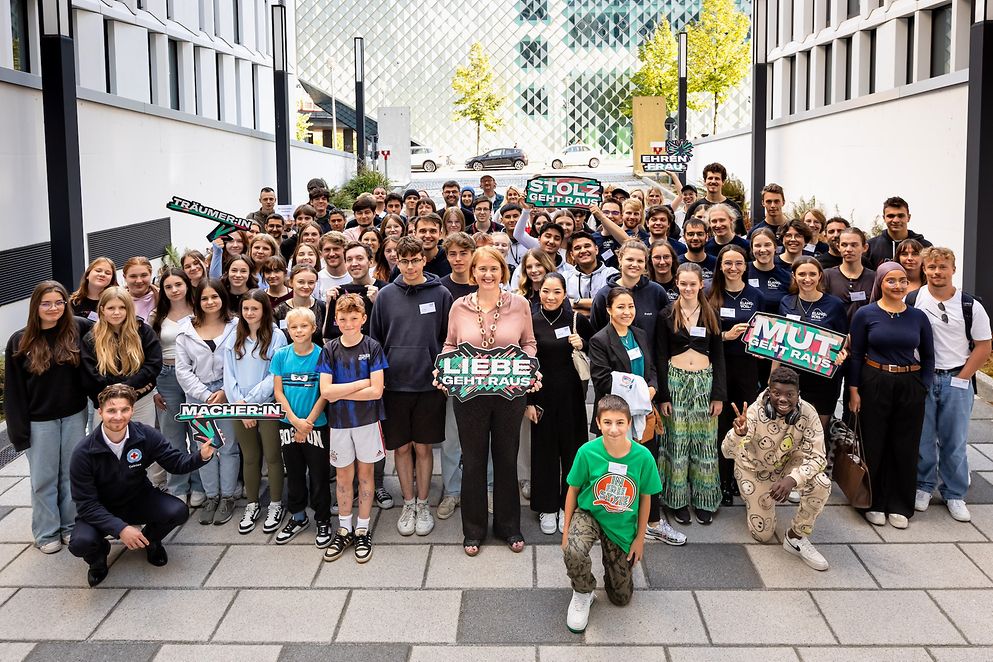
<point x="610" y="485"/>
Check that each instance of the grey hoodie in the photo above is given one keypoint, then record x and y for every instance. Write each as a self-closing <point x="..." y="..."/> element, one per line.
<point x="411" y="323"/>
<point x="196" y="365"/>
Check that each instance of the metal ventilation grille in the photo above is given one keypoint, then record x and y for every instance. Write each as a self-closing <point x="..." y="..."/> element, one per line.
<point x="120" y="244"/>
<point x="23" y="267"/>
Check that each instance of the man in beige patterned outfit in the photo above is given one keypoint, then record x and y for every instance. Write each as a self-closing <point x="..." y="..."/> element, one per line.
<point x="777" y="445"/>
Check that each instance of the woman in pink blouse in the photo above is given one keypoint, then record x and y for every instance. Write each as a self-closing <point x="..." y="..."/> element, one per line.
<point x="489" y="423"/>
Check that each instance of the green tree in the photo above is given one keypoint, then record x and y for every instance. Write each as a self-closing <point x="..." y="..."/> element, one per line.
<point x="478" y="98"/>
<point x="659" y="72"/>
<point x="302" y="127"/>
<point x="719" y="51"/>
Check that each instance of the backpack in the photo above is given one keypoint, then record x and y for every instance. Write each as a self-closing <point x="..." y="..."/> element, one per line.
<point x="967" y="302"/>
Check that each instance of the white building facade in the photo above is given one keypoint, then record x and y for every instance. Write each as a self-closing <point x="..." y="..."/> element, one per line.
<point x="175" y="97"/>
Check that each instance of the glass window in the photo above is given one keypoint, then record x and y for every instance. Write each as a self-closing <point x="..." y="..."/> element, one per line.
<point x="911" y="36"/>
<point x="828" y="73"/>
<point x="941" y="40"/>
<point x="19" y="34"/>
<point x="791" y="64"/>
<point x="533" y="54"/>
<point x="808" y="86"/>
<point x="534" y="102"/>
<point x="173" y="74"/>
<point x="848" y="67"/>
<point x="236" y="17"/>
<point x="872" y="61"/>
<point x="533" y="10"/>
<point x="853" y="8"/>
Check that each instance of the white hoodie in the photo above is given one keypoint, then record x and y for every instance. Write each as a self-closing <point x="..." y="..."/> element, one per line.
<point x="196" y="365"/>
<point x="585" y="286"/>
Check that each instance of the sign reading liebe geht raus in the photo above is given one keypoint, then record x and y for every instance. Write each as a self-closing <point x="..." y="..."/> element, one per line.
<point x="563" y="191"/>
<point x="794" y="343"/>
<point x="469" y="371"/>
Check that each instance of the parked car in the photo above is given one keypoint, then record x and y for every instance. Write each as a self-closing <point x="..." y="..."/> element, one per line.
<point x="424" y="158"/>
<point x="510" y="157"/>
<point x="576" y="155"/>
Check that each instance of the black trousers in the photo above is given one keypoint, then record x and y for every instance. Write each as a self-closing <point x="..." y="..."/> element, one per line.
<point x="655" y="500"/>
<point x="308" y="470"/>
<point x="743" y="386"/>
<point x="892" y="415"/>
<point x="158" y="511"/>
<point x="489" y="424"/>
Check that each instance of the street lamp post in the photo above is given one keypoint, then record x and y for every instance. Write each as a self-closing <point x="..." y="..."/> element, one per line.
<point x="281" y="96"/>
<point x="683" y="69"/>
<point x="760" y="101"/>
<point x="360" y="147"/>
<point x="334" y="106"/>
<point x="58" y="92"/>
<point x="977" y="276"/>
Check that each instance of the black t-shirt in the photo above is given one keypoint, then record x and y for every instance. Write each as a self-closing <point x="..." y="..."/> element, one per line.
<point x="737" y="308"/>
<point x="458" y="289"/>
<point x="331" y="330"/>
<point x="707" y="265"/>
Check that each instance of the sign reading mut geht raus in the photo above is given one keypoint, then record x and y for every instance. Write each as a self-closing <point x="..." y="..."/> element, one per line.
<point x="792" y="342"/>
<point x="469" y="371"/>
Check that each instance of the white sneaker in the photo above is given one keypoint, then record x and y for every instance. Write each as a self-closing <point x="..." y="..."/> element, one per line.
<point x="579" y="611"/>
<point x="406" y="523"/>
<point x="252" y="512"/>
<point x="898" y="521"/>
<point x="665" y="533"/>
<point x="794" y="496"/>
<point x="197" y="499"/>
<point x="424" y="522"/>
<point x="561" y="521"/>
<point x="922" y="501"/>
<point x="273" y="518"/>
<point x="548" y="522"/>
<point x="805" y="550"/>
<point x="958" y="511"/>
<point x="447" y="507"/>
<point x="51" y="547"/>
<point x="875" y="517"/>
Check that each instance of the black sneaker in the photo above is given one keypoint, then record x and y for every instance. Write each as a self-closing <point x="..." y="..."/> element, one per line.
<point x="293" y="527"/>
<point x="363" y="545"/>
<point x="342" y="540"/>
<point x="727" y="498"/>
<point x="681" y="515"/>
<point x="383" y="498"/>
<point x="323" y="537"/>
<point x="705" y="517"/>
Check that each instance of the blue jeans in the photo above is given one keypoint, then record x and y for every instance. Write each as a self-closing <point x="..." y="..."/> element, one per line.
<point x="943" y="438"/>
<point x="177" y="484"/>
<point x="220" y="475"/>
<point x="52" y="442"/>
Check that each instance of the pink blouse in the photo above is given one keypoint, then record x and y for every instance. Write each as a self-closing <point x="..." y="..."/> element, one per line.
<point x="513" y="327"/>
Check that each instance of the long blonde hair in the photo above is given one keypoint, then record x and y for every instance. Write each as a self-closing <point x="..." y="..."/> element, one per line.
<point x="119" y="352"/>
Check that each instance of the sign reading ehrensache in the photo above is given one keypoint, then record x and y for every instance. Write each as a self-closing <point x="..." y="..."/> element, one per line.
<point x="794" y="343"/>
<point x="470" y="371"/>
<point x="563" y="191"/>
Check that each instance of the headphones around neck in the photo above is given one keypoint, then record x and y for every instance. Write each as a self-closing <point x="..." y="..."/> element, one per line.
<point x="791" y="418"/>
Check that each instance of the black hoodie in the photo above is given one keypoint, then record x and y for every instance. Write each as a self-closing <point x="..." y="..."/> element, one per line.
<point x="649" y="299"/>
<point x="882" y="247"/>
<point x="411" y="323"/>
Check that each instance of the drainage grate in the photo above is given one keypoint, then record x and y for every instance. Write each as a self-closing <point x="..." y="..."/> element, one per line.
<point x="8" y="455"/>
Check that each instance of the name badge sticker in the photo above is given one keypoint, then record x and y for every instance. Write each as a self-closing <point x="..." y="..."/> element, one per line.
<point x="562" y="332"/>
<point x="961" y="383"/>
<point x="754" y="282"/>
<point x="634" y="353"/>
<point x="607" y="254"/>
<point x="617" y="468"/>
<point x="795" y="318"/>
<point x="282" y="324"/>
<point x="427" y="308"/>
<point x="857" y="295"/>
<point x="698" y="331"/>
<point x="810" y="248"/>
<point x="727" y="312"/>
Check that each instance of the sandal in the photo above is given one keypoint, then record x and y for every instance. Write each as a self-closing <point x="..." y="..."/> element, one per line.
<point x="469" y="543"/>
<point x="516" y="544"/>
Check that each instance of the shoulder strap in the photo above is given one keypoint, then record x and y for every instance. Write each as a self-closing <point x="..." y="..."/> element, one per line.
<point x="912" y="298"/>
<point x="967" y="302"/>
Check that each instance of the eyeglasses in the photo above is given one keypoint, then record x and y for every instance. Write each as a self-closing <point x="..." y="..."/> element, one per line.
<point x="611" y="213"/>
<point x="49" y="305"/>
<point x="410" y="263"/>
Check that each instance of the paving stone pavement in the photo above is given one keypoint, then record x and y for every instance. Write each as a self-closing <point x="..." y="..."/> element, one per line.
<point x="923" y="594"/>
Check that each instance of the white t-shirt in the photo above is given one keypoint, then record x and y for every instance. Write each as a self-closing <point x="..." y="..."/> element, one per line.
<point x="951" y="346"/>
<point x="326" y="281"/>
<point x="117" y="447"/>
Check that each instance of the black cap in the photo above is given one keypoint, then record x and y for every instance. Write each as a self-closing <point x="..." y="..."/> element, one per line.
<point x="411" y="192"/>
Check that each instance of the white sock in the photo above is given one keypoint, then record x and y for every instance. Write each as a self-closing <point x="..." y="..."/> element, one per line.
<point x="276" y="503"/>
<point x="409" y="502"/>
<point x="422" y="502"/>
<point x="362" y="523"/>
<point x="345" y="522"/>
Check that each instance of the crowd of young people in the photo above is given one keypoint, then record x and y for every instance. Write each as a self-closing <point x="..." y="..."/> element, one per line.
<point x="340" y="320"/>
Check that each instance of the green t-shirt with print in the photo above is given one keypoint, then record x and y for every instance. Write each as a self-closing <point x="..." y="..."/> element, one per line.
<point x="610" y="488"/>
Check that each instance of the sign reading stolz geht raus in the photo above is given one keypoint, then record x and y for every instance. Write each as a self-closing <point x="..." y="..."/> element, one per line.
<point x="470" y="371"/>
<point x="201" y="417"/>
<point x="794" y="343"/>
<point x="564" y="191"/>
<point x="226" y="223"/>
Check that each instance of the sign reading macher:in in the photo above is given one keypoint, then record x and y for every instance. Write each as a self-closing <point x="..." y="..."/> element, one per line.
<point x="226" y="223"/>
<point x="792" y="342"/>
<point x="552" y="191"/>
<point x="201" y="417"/>
<point x="470" y="371"/>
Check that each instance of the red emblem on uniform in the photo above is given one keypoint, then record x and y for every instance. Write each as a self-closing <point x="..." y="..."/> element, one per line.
<point x="614" y="492"/>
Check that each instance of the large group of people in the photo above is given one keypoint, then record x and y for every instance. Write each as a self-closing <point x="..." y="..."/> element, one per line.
<point x="339" y="317"/>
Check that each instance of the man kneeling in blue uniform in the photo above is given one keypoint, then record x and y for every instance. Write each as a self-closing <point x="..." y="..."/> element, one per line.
<point x="110" y="487"/>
